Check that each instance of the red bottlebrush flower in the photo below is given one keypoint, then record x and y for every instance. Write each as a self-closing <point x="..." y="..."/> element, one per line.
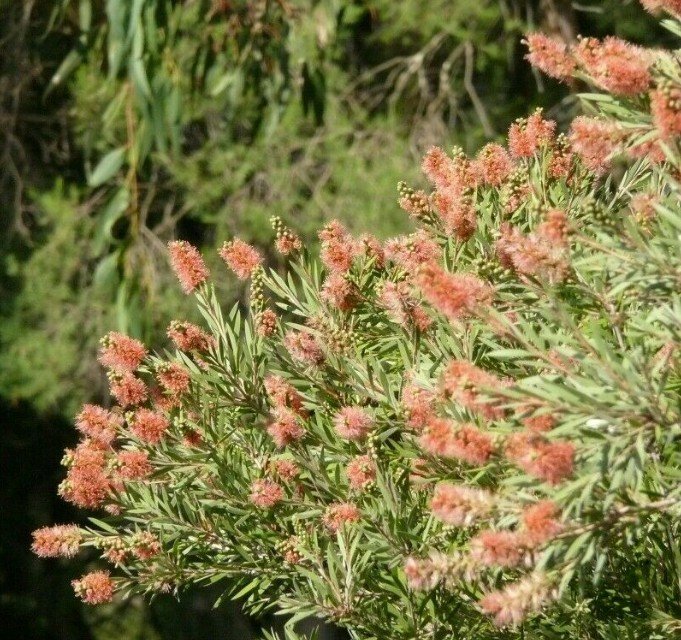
<point x="188" y="265"/>
<point x="465" y="383"/>
<point x="540" y="523"/>
<point x="149" y="426"/>
<point x="373" y="249"/>
<point x="339" y="292"/>
<point x="120" y="352"/>
<point x="266" y="493"/>
<point x="361" y="472"/>
<point x="457" y="212"/>
<point x="460" y="506"/>
<point x="339" y="248"/>
<point x="550" y="56"/>
<point x="283" y="394"/>
<point x="419" y="405"/>
<point x="594" y="141"/>
<point x="456" y="295"/>
<point x="94" y="588"/>
<point x="527" y="135"/>
<point x="497" y="549"/>
<point x="97" y="423"/>
<point x="340" y="513"/>
<point x="665" y="105"/>
<point x="615" y="65"/>
<point x="59" y="541"/>
<point x="189" y="337"/>
<point x="173" y="377"/>
<point x="286" y="427"/>
<point x="466" y="443"/>
<point x="352" y="423"/>
<point x="145" y="545"/>
<point x="401" y="307"/>
<point x="410" y="252"/>
<point x="511" y="605"/>
<point x="128" y="390"/>
<point x="240" y="257"/>
<point x="493" y="164"/>
<point x="552" y="462"/>
<point x="132" y="464"/>
<point x="285" y="469"/>
<point x="303" y="346"/>
<point x="266" y="323"/>
<point x="653" y="6"/>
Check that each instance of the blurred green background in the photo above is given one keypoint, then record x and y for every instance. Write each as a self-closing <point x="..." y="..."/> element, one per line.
<point x="126" y="123"/>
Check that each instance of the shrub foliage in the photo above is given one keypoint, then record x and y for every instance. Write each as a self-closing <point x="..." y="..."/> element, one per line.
<point x="470" y="431"/>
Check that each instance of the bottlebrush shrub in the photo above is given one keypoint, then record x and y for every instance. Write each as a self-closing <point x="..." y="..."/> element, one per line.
<point x="472" y="431"/>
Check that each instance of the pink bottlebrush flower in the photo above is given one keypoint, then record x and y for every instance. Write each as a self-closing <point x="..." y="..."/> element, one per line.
<point x="401" y="307"/>
<point x="266" y="493"/>
<point x="285" y="469"/>
<point x="352" y="423"/>
<point x="653" y="6"/>
<point x="665" y="105"/>
<point x="512" y="604"/>
<point x="116" y="554"/>
<point x="286" y="427"/>
<point x="127" y="389"/>
<point x="340" y="513"/>
<point x="188" y="265"/>
<point x="550" y="56"/>
<point x="493" y="164"/>
<point x="133" y="464"/>
<point x="594" y="141"/>
<point x="527" y="135"/>
<point x="456" y="295"/>
<point x="560" y="161"/>
<point x="539" y="423"/>
<point x="339" y="248"/>
<point x="373" y="249"/>
<point x="540" y="523"/>
<point x="457" y="212"/>
<point x="651" y="150"/>
<point x="189" y="337"/>
<point x="86" y="486"/>
<point x="149" y="426"/>
<point x="162" y="400"/>
<point x="467" y="385"/>
<point x="303" y="346"/>
<point x="419" y="405"/>
<point x="120" y="352"/>
<point x="58" y="541"/>
<point x="283" y="394"/>
<point x="287" y="242"/>
<point x="97" y="423"/>
<point x="361" y="472"/>
<point x="552" y="462"/>
<point x="410" y="252"/>
<point x="615" y="65"/>
<point x="460" y="506"/>
<point x="339" y="292"/>
<point x="497" y="549"/>
<point x="95" y="587"/>
<point x="643" y="207"/>
<point x="465" y="442"/>
<point x="191" y="438"/>
<point x="448" y="173"/>
<point x="89" y="452"/>
<point x="418" y="473"/>
<point x="240" y="257"/>
<point x="174" y="378"/>
<point x="145" y="545"/>
<point x="266" y="323"/>
<point x="420" y="574"/>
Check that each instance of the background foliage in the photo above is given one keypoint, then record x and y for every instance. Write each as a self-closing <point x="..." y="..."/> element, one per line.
<point x="126" y="124"/>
